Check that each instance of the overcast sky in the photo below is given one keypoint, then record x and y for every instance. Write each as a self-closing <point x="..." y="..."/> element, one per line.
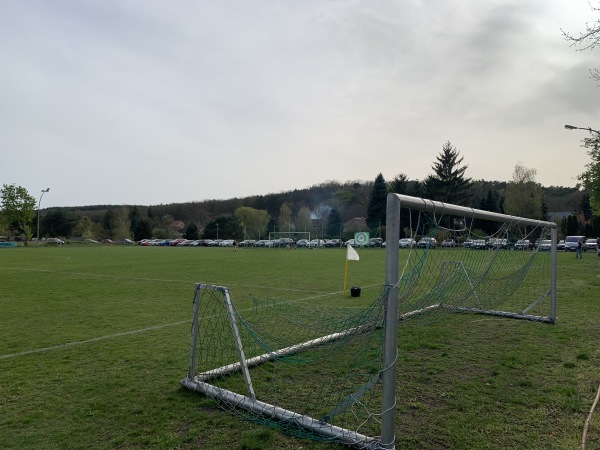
<point x="148" y="102"/>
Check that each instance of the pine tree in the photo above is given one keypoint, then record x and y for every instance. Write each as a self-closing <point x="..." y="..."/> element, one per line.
<point x="377" y="203"/>
<point x="334" y="224"/>
<point x="449" y="184"/>
<point x="191" y="231"/>
<point x="586" y="207"/>
<point x="399" y="185"/>
<point x="142" y="230"/>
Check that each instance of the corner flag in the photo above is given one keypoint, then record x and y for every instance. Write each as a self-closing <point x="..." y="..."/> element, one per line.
<point x="351" y="255"/>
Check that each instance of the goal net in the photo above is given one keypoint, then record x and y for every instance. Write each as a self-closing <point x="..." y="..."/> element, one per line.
<point x="317" y="370"/>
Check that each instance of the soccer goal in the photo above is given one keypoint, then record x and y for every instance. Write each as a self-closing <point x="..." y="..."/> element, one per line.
<point x="325" y="372"/>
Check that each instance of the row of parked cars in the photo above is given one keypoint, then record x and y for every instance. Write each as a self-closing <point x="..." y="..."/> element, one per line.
<point x="491" y="243"/>
<point x="186" y="242"/>
<point x="268" y="243"/>
<point x="569" y="244"/>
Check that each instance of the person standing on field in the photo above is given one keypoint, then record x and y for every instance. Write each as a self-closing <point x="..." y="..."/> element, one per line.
<point x="578" y="251"/>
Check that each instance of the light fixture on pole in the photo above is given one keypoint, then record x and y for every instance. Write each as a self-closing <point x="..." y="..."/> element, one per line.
<point x="572" y="127"/>
<point x="37" y="242"/>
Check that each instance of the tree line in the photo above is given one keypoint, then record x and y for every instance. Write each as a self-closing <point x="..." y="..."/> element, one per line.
<point x="324" y="210"/>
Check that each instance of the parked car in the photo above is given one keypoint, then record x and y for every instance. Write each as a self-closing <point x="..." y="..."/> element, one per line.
<point x="560" y="245"/>
<point x="159" y="243"/>
<point x="333" y="243"/>
<point x="349" y="242"/>
<point x="316" y="243"/>
<point x="286" y="242"/>
<point x="523" y="244"/>
<point x="55" y="241"/>
<point x="479" y="244"/>
<point x="427" y="241"/>
<point x="302" y="243"/>
<point x="501" y="244"/>
<point x="497" y="243"/>
<point x="545" y="245"/>
<point x="449" y="243"/>
<point x="247" y="243"/>
<point x="590" y="244"/>
<point x="571" y="243"/>
<point x="407" y="243"/>
<point x="375" y="242"/>
<point x="125" y="241"/>
<point x="468" y="243"/>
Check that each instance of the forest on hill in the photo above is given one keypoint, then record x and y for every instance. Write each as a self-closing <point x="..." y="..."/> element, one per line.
<point x="351" y="198"/>
<point x="283" y="210"/>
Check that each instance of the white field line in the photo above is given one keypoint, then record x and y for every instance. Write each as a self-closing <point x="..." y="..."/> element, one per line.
<point x="94" y="275"/>
<point x="141" y="330"/>
<point x="96" y="339"/>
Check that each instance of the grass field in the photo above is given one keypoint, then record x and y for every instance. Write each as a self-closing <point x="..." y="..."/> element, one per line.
<point x="94" y="341"/>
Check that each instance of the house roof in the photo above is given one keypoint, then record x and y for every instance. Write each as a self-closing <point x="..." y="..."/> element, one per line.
<point x="356" y="222"/>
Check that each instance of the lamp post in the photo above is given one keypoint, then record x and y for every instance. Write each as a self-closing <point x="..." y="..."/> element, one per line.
<point x="572" y="127"/>
<point x="37" y="242"/>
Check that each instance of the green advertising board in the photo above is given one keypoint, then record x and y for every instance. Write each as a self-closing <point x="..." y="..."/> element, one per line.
<point x="361" y="238"/>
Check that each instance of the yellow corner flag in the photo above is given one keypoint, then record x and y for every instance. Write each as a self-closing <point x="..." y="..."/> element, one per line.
<point x="351" y="255"/>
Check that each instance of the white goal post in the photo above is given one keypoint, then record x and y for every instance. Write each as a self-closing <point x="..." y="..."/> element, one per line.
<point x="237" y="356"/>
<point x="395" y="202"/>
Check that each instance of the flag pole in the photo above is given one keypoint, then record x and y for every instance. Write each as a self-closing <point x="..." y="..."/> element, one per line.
<point x="345" y="276"/>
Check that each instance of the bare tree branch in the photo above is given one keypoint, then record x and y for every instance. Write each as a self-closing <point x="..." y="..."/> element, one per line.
<point x="588" y="40"/>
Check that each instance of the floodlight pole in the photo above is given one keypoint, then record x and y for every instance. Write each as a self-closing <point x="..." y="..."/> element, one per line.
<point x="37" y="242"/>
<point x="572" y="127"/>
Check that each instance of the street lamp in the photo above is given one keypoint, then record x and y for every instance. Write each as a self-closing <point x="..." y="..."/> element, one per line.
<point x="38" y="219"/>
<point x="572" y="127"/>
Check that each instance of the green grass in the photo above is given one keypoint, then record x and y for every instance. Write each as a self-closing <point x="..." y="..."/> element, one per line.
<point x="94" y="341"/>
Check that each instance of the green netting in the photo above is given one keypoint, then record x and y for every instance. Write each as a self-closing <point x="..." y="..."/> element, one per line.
<point x="476" y="272"/>
<point x="314" y="369"/>
<point x="332" y="378"/>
